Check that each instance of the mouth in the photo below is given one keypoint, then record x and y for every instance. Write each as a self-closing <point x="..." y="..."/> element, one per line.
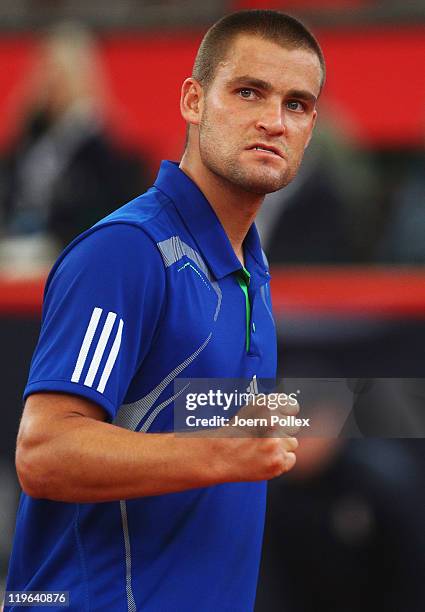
<point x="267" y="149"/>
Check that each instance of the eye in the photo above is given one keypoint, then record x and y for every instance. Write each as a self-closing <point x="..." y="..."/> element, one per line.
<point x="296" y="106"/>
<point x="247" y="93"/>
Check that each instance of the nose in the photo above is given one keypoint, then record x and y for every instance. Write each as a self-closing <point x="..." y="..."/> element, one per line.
<point x="272" y="120"/>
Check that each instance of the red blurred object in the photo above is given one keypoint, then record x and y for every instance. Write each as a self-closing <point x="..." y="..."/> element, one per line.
<point x="376" y="79"/>
<point x="21" y="297"/>
<point x="315" y="291"/>
<point x="352" y="291"/>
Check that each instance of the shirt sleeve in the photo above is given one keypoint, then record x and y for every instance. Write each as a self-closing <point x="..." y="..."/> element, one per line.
<point x="102" y="306"/>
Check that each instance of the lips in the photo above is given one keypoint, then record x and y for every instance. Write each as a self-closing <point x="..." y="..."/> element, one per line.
<point x="259" y="146"/>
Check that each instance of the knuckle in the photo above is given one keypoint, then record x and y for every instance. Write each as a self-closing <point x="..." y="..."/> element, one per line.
<point x="280" y="464"/>
<point x="290" y="461"/>
<point x="295" y="408"/>
<point x="276" y="468"/>
<point x="291" y="443"/>
<point x="279" y="455"/>
<point x="292" y="409"/>
<point x="292" y="431"/>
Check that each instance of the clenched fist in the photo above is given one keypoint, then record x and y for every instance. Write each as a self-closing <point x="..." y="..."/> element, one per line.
<point x="257" y="444"/>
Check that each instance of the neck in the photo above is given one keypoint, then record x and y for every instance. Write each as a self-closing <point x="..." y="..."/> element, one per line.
<point x="235" y="208"/>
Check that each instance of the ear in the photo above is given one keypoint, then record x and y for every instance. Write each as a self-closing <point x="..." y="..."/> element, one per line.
<point x="191" y="101"/>
<point x="313" y="123"/>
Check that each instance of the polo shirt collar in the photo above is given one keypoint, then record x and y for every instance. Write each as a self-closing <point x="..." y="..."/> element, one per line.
<point x="204" y="226"/>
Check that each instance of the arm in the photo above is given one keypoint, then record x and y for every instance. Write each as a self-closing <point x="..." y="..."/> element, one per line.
<point x="67" y="452"/>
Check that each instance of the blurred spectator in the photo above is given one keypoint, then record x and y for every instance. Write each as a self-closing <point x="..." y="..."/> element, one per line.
<point x="404" y="228"/>
<point x="344" y="532"/>
<point x="64" y="172"/>
<point x="328" y="214"/>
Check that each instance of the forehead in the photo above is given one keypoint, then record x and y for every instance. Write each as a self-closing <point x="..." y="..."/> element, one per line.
<point x="263" y="59"/>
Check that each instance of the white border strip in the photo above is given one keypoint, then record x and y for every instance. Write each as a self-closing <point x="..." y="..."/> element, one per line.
<point x="85" y="347"/>
<point x="131" y="604"/>
<point x="111" y="359"/>
<point x="100" y="348"/>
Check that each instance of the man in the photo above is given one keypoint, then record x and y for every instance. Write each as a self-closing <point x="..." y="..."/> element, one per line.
<point x="172" y="284"/>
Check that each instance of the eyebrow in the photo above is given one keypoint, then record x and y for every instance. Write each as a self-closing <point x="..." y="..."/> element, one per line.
<point x="250" y="81"/>
<point x="302" y="94"/>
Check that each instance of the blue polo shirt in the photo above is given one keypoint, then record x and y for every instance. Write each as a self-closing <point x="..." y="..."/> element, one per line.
<point x="149" y="294"/>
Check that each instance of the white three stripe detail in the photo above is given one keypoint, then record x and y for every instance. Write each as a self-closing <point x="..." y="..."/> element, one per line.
<point x="88" y="338"/>
<point x="100" y="348"/>
<point x="111" y="359"/>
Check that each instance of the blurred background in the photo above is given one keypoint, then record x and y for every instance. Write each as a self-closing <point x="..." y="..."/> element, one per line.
<point x="89" y="107"/>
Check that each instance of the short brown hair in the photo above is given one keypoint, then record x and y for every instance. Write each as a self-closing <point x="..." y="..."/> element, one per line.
<point x="270" y="25"/>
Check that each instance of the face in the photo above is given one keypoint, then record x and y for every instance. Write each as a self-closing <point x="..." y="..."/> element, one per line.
<point x="256" y="117"/>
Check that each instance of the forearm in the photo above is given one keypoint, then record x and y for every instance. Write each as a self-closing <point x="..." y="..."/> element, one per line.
<point x="67" y="452"/>
<point x="93" y="461"/>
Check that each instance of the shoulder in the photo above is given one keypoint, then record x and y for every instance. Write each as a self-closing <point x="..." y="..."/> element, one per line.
<point x="143" y="211"/>
<point x="112" y="244"/>
<point x="114" y="257"/>
<point x="126" y="239"/>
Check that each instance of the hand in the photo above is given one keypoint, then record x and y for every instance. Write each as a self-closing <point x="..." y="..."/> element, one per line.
<point x="266" y="416"/>
<point x="257" y="446"/>
<point x="248" y="459"/>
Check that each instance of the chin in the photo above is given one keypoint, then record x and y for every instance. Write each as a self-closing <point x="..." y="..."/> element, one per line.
<point x="250" y="179"/>
<point x="264" y="185"/>
<point x="262" y="181"/>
